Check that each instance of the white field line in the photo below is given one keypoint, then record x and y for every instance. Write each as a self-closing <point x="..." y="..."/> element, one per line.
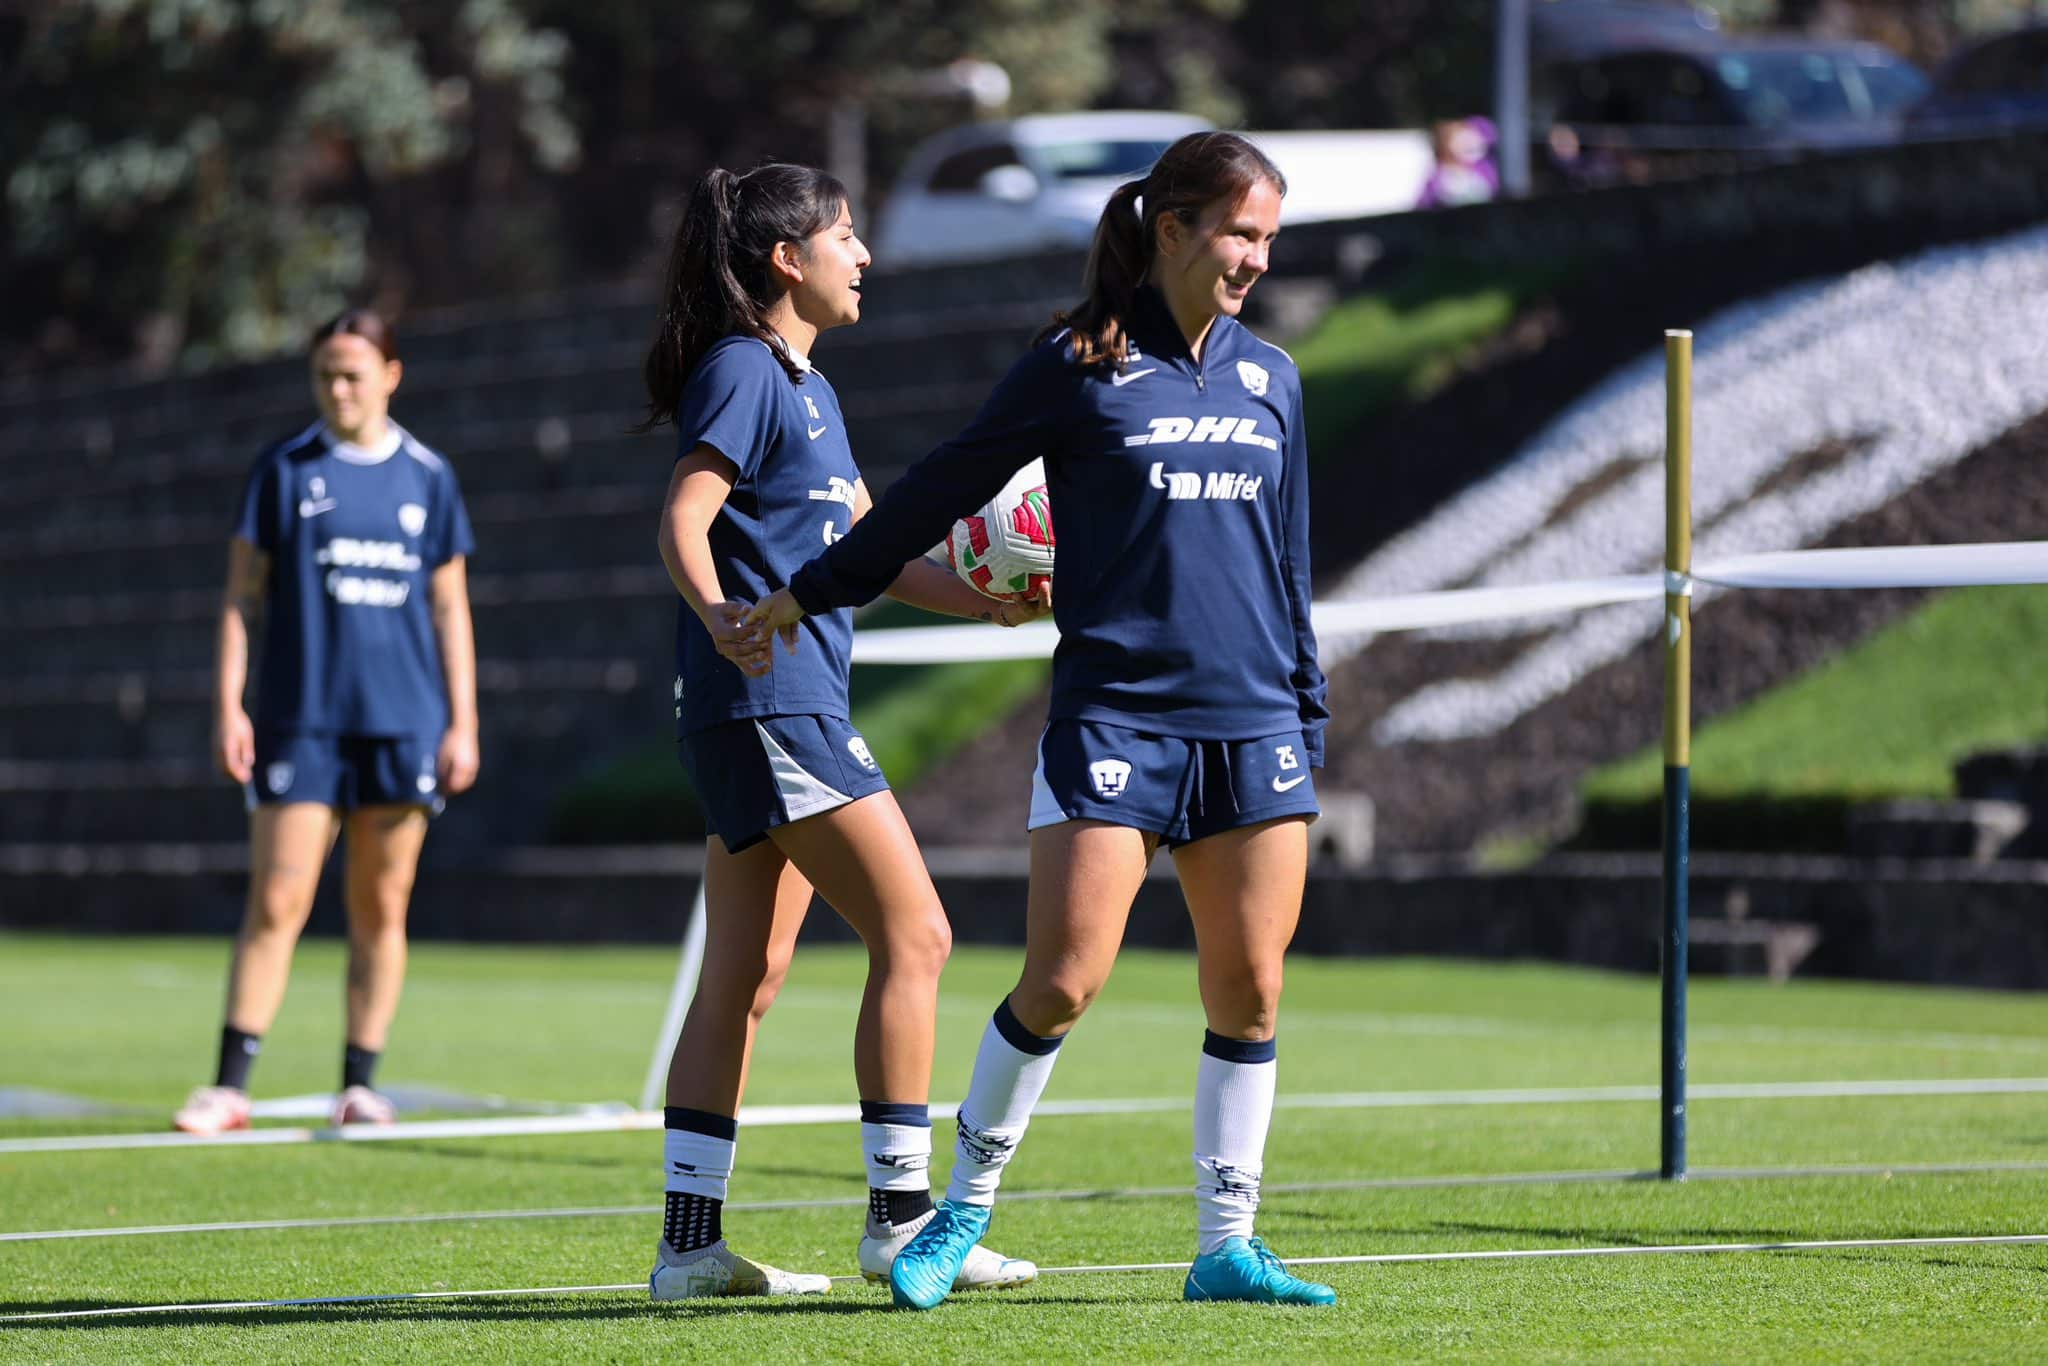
<point x="1369" y="1259"/>
<point x="779" y="1116"/>
<point x="1393" y="1183"/>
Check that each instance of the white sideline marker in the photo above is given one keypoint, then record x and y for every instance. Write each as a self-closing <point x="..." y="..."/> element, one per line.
<point x="1886" y="1170"/>
<point x="778" y="1116"/>
<point x="1368" y="1259"/>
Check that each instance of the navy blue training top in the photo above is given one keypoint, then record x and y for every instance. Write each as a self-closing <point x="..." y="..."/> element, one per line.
<point x="1180" y="488"/>
<point x="793" y="497"/>
<point x="354" y="537"/>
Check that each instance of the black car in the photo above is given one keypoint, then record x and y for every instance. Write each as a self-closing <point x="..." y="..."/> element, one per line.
<point x="1995" y="84"/>
<point x="1719" y="101"/>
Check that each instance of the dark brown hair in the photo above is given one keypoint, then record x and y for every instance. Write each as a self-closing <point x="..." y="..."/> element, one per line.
<point x="718" y="280"/>
<point x="1194" y="173"/>
<point x="359" y="322"/>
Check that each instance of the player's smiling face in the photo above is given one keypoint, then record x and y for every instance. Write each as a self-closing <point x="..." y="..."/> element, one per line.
<point x="1209" y="268"/>
<point x="352" y="383"/>
<point x="828" y="294"/>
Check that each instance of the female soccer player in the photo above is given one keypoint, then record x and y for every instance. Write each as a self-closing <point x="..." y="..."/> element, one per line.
<point x="761" y="264"/>
<point x="353" y="540"/>
<point x="1187" y="704"/>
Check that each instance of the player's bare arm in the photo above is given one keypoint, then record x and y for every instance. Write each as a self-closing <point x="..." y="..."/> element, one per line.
<point x="460" y="756"/>
<point x="697" y="489"/>
<point x="234" y="738"/>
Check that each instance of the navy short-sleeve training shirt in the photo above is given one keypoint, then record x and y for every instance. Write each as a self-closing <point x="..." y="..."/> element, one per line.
<point x="354" y="536"/>
<point x="794" y="496"/>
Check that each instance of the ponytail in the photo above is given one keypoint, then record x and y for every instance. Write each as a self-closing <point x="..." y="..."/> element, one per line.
<point x="1191" y="174"/>
<point x="717" y="282"/>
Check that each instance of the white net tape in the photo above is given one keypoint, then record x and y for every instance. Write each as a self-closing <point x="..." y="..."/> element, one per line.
<point x="1926" y="566"/>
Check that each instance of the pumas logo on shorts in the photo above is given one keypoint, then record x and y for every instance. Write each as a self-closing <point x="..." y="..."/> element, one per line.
<point x="1254" y="377"/>
<point x="858" y="748"/>
<point x="1109" y="777"/>
<point x="412" y="518"/>
<point x="278" y="777"/>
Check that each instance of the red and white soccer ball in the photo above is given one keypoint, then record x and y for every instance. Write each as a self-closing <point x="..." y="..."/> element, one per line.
<point x="1007" y="547"/>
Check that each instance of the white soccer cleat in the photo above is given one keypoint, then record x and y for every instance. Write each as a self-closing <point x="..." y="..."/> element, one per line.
<point x="361" y="1105"/>
<point x="718" y="1270"/>
<point x="983" y="1269"/>
<point x="213" y="1110"/>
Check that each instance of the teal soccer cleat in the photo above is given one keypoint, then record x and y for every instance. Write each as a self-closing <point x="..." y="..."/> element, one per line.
<point x="924" y="1271"/>
<point x="1246" y="1270"/>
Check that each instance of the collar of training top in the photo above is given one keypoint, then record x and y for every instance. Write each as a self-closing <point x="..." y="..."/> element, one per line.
<point x="1157" y="334"/>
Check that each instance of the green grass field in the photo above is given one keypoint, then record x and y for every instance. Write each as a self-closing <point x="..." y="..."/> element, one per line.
<point x="131" y="1022"/>
<point x="1888" y="718"/>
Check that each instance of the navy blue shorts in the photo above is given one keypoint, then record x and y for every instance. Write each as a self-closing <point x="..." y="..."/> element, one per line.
<point x="1181" y="790"/>
<point x="755" y="774"/>
<point x="345" y="771"/>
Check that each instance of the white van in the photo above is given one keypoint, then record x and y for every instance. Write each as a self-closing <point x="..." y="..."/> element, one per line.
<point x="1016" y="186"/>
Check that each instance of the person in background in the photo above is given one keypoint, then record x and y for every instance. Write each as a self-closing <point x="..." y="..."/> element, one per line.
<point x="351" y="547"/>
<point x="1464" y="172"/>
<point x="1187" y="704"/>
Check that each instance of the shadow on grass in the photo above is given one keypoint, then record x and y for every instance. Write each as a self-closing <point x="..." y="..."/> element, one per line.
<point x="615" y="1306"/>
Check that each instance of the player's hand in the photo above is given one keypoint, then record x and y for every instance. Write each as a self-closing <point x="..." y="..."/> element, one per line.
<point x="458" y="760"/>
<point x="745" y="645"/>
<point x="1025" y="607"/>
<point x="778" y="612"/>
<point x="234" y="745"/>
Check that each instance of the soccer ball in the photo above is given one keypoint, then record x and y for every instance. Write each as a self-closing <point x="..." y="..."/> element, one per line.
<point x="1007" y="547"/>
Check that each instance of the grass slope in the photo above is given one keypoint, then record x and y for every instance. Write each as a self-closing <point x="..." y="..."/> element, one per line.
<point x="1888" y="718"/>
<point x="131" y="1021"/>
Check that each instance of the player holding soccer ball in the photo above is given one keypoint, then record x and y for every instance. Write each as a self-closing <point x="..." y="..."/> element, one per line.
<point x="1187" y="704"/>
<point x="762" y="263"/>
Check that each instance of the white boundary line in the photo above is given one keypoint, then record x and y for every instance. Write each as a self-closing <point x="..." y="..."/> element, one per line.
<point x="776" y="1116"/>
<point x="1589" y="1177"/>
<point x="1371" y="1259"/>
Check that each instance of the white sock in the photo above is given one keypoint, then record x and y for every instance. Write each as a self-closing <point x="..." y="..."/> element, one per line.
<point x="1233" y="1111"/>
<point x="896" y="1140"/>
<point x="696" y="1164"/>
<point x="1010" y="1072"/>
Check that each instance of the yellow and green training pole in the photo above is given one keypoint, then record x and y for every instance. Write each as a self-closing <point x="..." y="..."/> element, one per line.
<point x="1677" y="735"/>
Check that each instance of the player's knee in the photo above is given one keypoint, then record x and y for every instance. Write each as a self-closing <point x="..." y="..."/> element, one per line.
<point x="277" y="906"/>
<point x="774" y="972"/>
<point x="1244" y="1002"/>
<point x="916" y="946"/>
<point x="1051" y="1005"/>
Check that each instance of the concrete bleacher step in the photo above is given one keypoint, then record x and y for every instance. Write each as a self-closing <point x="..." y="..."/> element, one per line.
<point x="164" y="716"/>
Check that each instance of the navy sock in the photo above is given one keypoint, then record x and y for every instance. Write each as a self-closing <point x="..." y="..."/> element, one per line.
<point x="238" y="1052"/>
<point x="358" y="1066"/>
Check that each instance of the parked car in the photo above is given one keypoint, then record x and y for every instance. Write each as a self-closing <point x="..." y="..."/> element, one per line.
<point x="1710" y="94"/>
<point x="1018" y="185"/>
<point x="1997" y="83"/>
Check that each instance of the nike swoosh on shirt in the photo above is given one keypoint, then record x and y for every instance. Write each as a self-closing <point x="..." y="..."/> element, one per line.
<point x="309" y="508"/>
<point x="1121" y="380"/>
<point x="815" y="432"/>
<point x="1290" y="784"/>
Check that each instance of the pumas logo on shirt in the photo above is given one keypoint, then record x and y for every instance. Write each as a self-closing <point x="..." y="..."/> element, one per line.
<point x="1109" y="777"/>
<point x="1171" y="431"/>
<point x="412" y="518"/>
<point x="811" y="407"/>
<point x="1254" y="376"/>
<point x="1224" y="485"/>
